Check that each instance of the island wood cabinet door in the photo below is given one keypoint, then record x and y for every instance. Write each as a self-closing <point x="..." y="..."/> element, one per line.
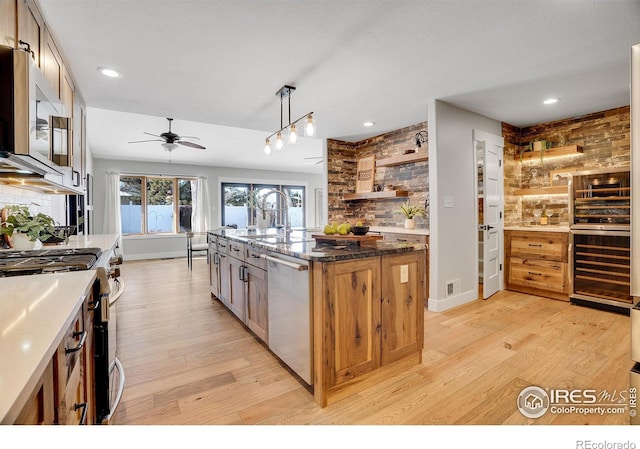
<point x="225" y="278"/>
<point x="236" y="299"/>
<point x="214" y="266"/>
<point x="403" y="287"/>
<point x="352" y="319"/>
<point x="257" y="302"/>
<point x="40" y="408"/>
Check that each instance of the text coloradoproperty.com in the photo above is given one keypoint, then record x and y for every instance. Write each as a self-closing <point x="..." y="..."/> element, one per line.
<point x="588" y="410"/>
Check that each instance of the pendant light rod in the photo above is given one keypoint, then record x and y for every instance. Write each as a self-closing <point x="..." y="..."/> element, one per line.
<point x="292" y="123"/>
<point x="286" y="91"/>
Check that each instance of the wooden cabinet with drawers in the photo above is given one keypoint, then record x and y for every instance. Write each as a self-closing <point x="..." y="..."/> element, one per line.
<point x="65" y="393"/>
<point x="536" y="262"/>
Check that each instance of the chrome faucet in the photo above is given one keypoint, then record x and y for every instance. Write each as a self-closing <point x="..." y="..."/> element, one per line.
<point x="285" y="209"/>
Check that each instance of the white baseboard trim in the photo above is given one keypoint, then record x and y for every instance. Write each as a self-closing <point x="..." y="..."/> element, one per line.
<point x="164" y="255"/>
<point x="440" y="305"/>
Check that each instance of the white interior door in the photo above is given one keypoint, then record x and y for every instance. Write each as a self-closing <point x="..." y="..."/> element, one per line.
<point x="489" y="153"/>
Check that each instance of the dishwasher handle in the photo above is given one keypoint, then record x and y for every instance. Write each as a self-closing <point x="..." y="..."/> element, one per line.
<point x="295" y="266"/>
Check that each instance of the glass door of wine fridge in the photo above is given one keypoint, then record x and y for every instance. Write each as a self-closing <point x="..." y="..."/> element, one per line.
<point x="602" y="267"/>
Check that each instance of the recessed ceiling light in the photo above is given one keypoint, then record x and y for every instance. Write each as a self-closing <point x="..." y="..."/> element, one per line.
<point x="109" y="72"/>
<point x="367" y="124"/>
<point x="550" y="101"/>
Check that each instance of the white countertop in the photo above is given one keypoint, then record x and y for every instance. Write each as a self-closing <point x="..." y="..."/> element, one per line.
<point x="35" y="312"/>
<point x="398" y="230"/>
<point x="103" y="241"/>
<point x="545" y="228"/>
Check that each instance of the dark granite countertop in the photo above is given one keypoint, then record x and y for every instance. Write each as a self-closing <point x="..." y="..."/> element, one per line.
<point x="303" y="246"/>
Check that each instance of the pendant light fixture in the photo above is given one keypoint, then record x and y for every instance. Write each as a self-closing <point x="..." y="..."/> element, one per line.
<point x="309" y="128"/>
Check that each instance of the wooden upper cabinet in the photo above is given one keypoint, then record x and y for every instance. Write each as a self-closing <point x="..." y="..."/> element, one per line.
<point x="30" y="28"/>
<point x="67" y="94"/>
<point x="52" y="65"/>
<point x="8" y="28"/>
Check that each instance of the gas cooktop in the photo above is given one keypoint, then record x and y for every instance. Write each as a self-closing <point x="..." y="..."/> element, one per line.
<point x="17" y="263"/>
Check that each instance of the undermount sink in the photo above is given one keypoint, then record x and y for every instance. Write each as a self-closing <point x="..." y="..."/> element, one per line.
<point x="280" y="240"/>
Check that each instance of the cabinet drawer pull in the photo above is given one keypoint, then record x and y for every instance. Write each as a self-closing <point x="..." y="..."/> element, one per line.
<point x="83" y="417"/>
<point x="401" y="240"/>
<point x="534" y="273"/>
<point x="539" y="245"/>
<point x="83" y="339"/>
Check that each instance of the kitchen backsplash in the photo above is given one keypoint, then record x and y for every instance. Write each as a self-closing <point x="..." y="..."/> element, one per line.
<point x="412" y="177"/>
<point x="605" y="139"/>
<point x="38" y="202"/>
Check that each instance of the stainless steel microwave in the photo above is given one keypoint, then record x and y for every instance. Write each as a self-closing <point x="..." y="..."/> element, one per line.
<point x="35" y="134"/>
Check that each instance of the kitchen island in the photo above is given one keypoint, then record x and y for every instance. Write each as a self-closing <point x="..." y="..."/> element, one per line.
<point x="357" y="312"/>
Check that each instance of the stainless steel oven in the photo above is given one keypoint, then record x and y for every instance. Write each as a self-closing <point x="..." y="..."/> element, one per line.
<point x="600" y="258"/>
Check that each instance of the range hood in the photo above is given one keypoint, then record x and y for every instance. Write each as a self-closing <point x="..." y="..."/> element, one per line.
<point x="31" y="174"/>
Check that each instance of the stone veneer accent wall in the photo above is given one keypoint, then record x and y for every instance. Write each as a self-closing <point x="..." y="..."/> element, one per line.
<point x="605" y="138"/>
<point x="341" y="169"/>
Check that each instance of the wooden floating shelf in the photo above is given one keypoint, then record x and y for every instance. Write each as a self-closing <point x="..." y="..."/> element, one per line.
<point x="403" y="159"/>
<point x="376" y="195"/>
<point x="553" y="190"/>
<point x="550" y="152"/>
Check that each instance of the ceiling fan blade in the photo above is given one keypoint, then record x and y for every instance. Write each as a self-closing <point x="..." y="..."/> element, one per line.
<point x="152" y="140"/>
<point x="154" y="135"/>
<point x="189" y="137"/>
<point x="191" y="144"/>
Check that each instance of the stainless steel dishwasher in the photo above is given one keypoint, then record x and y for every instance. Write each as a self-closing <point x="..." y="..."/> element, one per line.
<point x="290" y="320"/>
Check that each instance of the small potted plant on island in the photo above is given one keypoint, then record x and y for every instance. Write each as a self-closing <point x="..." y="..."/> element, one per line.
<point x="410" y="212"/>
<point x="25" y="231"/>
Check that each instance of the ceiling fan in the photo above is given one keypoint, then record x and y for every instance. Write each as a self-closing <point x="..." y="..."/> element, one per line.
<point x="316" y="163"/>
<point x="171" y="140"/>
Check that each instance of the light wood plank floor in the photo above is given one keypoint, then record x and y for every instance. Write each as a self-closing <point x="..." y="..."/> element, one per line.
<point x="189" y="361"/>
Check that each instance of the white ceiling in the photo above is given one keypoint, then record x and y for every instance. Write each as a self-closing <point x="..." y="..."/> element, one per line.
<point x="215" y="67"/>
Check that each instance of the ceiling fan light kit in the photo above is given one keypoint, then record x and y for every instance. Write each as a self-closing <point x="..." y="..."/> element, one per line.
<point x="171" y="140"/>
<point x="309" y="129"/>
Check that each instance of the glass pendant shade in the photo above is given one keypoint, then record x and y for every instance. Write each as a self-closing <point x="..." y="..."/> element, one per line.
<point x="310" y="128"/>
<point x="267" y="147"/>
<point x="279" y="142"/>
<point x="293" y="134"/>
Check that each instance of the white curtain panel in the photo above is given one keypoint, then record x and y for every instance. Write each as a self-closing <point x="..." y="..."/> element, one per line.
<point x="112" y="222"/>
<point x="201" y="213"/>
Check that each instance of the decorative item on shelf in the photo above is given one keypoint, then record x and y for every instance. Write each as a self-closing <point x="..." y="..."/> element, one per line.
<point x="420" y="138"/>
<point x="544" y="219"/>
<point x="536" y="145"/>
<point x="24" y="230"/>
<point x="364" y="174"/>
<point x="388" y="187"/>
<point x="309" y="128"/>
<point x="537" y="213"/>
<point x="410" y="212"/>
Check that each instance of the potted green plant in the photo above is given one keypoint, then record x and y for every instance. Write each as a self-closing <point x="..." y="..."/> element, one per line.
<point x="410" y="212"/>
<point x="24" y="229"/>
